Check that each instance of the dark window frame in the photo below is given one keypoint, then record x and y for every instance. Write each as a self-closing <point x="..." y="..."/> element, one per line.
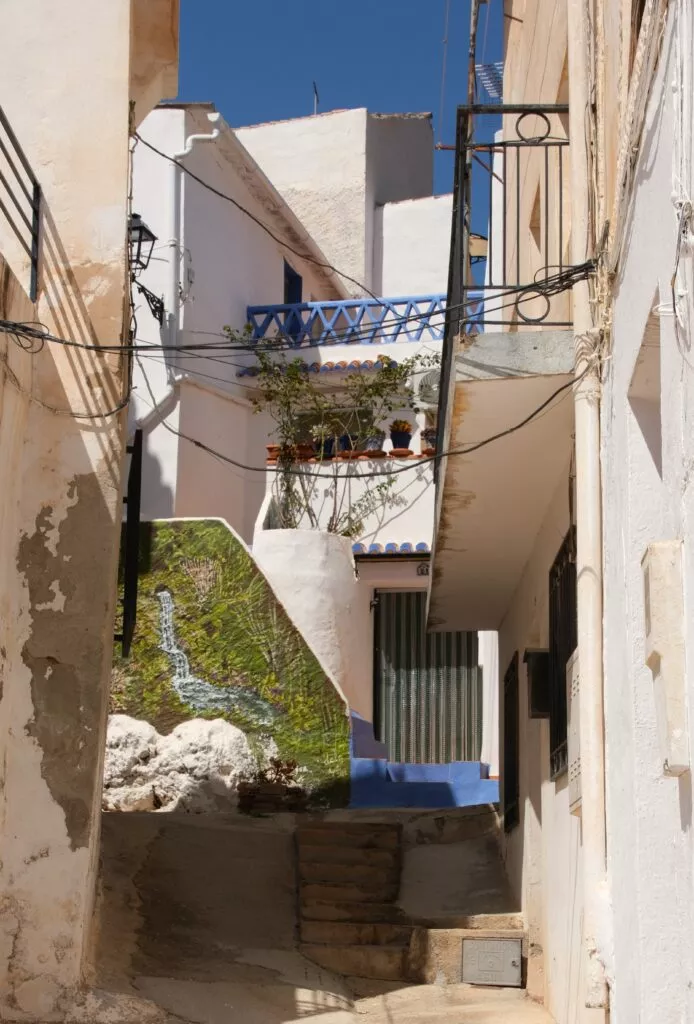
<point x="563" y="637"/>
<point x="511" y="779"/>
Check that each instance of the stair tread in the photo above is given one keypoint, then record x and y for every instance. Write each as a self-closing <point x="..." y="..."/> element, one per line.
<point x="369" y="961"/>
<point x="354" y="933"/>
<point x="356" y="911"/>
<point x="355" y="893"/>
<point x="371" y="856"/>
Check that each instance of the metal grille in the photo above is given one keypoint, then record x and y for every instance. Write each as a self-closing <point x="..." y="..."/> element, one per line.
<point x="20" y="199"/>
<point x="511" y="747"/>
<point x="427" y="686"/>
<point x="563" y="637"/>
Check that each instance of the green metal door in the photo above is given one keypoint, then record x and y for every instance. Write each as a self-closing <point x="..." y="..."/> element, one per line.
<point x="427" y="686"/>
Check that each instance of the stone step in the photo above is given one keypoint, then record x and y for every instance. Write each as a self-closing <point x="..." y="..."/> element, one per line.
<point x="364" y="875"/>
<point x="473" y="922"/>
<point x="366" y="835"/>
<point x="348" y="855"/>
<point x="325" y="892"/>
<point x="387" y="963"/>
<point x="361" y="913"/>
<point x="349" y="933"/>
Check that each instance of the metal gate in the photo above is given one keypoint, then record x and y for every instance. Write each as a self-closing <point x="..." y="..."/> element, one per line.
<point x="427" y="686"/>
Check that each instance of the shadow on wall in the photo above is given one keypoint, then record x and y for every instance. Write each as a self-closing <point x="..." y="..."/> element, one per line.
<point x="212" y="641"/>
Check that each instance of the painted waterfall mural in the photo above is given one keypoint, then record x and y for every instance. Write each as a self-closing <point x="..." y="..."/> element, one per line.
<point x="212" y="641"/>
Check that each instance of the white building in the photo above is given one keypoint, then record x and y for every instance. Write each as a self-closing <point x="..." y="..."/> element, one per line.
<point x="569" y="531"/>
<point x="335" y="208"/>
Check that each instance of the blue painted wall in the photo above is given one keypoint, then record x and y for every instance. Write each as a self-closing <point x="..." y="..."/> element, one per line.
<point x="378" y="782"/>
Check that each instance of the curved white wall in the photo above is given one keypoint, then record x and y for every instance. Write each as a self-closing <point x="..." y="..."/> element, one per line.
<point x="312" y="574"/>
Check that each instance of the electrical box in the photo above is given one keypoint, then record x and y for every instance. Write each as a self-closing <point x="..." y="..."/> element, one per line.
<point x="664" y="628"/>
<point x="573" y="732"/>
<point x="492" y="962"/>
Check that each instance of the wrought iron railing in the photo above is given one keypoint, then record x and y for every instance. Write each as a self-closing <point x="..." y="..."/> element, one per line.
<point x="352" y="321"/>
<point x="511" y="183"/>
<point x="20" y="199"/>
<point x="515" y="174"/>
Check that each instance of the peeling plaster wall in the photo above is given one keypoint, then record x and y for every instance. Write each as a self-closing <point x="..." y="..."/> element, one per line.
<point x="60" y="503"/>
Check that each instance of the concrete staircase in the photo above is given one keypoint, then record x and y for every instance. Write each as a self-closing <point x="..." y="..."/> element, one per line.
<point x="349" y="922"/>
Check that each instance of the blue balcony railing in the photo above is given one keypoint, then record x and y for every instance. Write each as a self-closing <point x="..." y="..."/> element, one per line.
<point x="352" y="321"/>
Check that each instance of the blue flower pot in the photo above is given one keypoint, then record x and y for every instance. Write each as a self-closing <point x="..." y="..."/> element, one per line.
<point x="326" y="447"/>
<point x="348" y="442"/>
<point x="400" y="438"/>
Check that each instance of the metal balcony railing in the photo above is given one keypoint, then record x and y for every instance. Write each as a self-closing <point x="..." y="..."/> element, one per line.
<point x="353" y="321"/>
<point x="20" y="199"/>
<point x="512" y="175"/>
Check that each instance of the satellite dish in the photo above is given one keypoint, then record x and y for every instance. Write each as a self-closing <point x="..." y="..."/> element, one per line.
<point x="429" y="386"/>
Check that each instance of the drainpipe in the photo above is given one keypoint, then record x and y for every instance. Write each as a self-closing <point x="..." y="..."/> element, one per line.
<point x="176" y="172"/>
<point x="589" y="528"/>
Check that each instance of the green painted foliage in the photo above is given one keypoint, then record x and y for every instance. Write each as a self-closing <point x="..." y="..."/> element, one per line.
<point x="235" y="634"/>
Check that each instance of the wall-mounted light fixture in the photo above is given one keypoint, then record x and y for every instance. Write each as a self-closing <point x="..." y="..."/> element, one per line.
<point x="142" y="241"/>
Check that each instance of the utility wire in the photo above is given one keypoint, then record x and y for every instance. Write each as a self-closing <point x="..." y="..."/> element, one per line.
<point x="414" y="464"/>
<point x="553" y="285"/>
<point x="229" y="199"/>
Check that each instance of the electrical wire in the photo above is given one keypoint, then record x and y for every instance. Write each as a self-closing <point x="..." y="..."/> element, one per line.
<point x="37" y="332"/>
<point x="413" y="465"/>
<point x="239" y="206"/>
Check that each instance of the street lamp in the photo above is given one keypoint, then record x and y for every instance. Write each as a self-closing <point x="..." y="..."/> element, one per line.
<point x="142" y="241"/>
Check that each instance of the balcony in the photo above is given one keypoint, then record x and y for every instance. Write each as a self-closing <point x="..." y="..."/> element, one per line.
<point x="511" y="181"/>
<point x="357" y="321"/>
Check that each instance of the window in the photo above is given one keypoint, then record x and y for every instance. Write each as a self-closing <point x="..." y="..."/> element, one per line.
<point x="563" y="636"/>
<point x="511" y="747"/>
<point x="293" y="291"/>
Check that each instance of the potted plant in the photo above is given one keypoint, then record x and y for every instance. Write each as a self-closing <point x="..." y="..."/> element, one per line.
<point x="272" y="789"/>
<point x="401" y="435"/>
<point x="324" y="442"/>
<point x="429" y="441"/>
<point x="373" y="444"/>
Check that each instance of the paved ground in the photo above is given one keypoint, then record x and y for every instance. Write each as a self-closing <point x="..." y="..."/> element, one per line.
<point x="452" y="1004"/>
<point x="198" y="919"/>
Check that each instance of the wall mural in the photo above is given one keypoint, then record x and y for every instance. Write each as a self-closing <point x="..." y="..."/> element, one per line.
<point x="212" y="641"/>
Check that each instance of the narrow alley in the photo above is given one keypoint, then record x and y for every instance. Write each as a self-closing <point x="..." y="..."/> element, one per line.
<point x="346" y="512"/>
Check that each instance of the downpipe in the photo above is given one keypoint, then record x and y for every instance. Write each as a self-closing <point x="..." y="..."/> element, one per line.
<point x="589" y="575"/>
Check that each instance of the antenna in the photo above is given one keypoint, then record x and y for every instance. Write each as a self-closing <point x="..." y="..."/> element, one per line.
<point x="316" y="99"/>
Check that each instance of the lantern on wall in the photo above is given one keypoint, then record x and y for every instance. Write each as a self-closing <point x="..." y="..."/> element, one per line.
<point x="142" y="241"/>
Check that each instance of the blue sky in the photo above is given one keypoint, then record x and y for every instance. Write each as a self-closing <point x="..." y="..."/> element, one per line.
<point x="257" y="60"/>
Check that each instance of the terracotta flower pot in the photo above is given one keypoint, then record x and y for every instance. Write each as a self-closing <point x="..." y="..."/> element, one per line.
<point x="428" y="451"/>
<point x="400" y="453"/>
<point x="273" y="452"/>
<point x="374" y="453"/>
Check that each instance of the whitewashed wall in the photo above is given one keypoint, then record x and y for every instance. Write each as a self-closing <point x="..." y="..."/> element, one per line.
<point x="648" y="496"/>
<point x="412" y="241"/>
<point x="226" y="262"/>
<point x="336" y="168"/>
<point x="543" y="853"/>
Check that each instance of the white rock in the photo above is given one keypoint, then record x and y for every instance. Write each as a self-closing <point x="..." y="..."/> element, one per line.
<point x="195" y="768"/>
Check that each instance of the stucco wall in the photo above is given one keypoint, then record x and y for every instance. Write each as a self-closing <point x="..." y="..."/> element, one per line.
<point x="60" y="504"/>
<point x="412" y="241"/>
<point x="226" y="262"/>
<point x="319" y="166"/>
<point x="648" y="497"/>
<point x="334" y="169"/>
<point x="543" y="853"/>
